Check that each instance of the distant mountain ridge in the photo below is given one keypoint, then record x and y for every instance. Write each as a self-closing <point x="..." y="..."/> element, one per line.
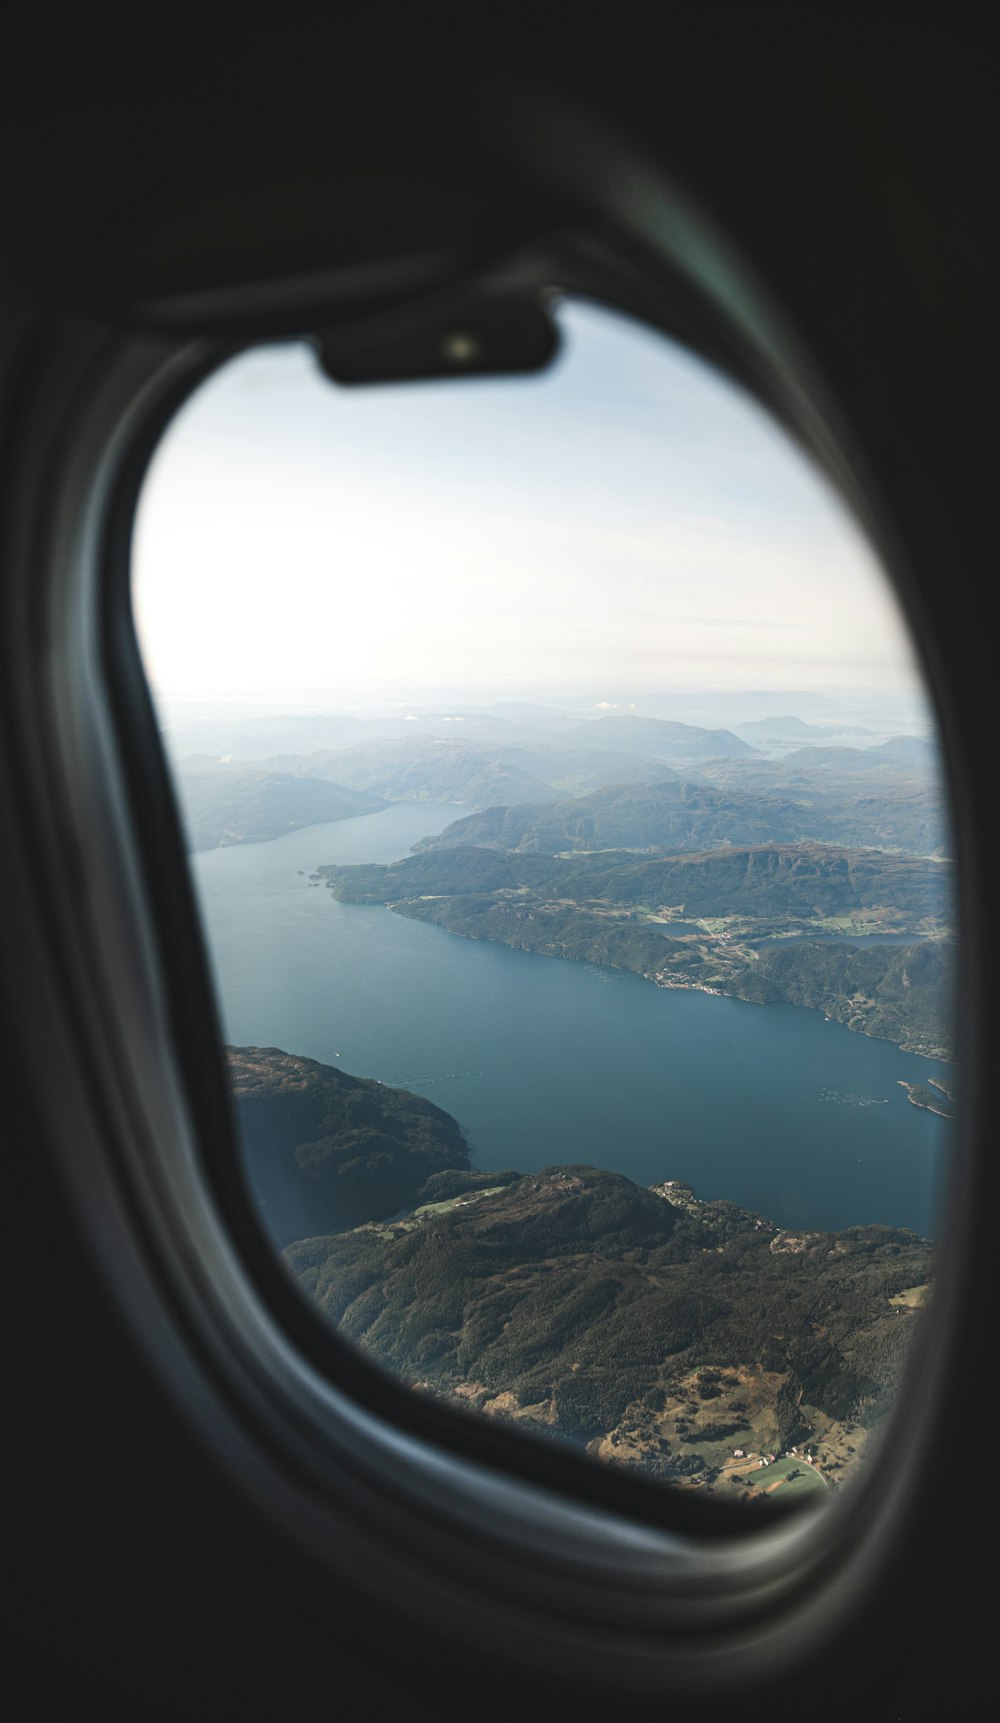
<point x="236" y="804"/>
<point x="786" y="725"/>
<point x="671" y="815"/>
<point x="901" y="763"/>
<point x="434" y="769"/>
<point x="661" y="738"/>
<point x="674" y="816"/>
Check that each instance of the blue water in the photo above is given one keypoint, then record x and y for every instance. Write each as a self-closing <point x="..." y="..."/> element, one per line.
<point x="544" y="1060"/>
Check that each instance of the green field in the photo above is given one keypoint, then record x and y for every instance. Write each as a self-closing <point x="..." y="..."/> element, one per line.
<point x="796" y="1477"/>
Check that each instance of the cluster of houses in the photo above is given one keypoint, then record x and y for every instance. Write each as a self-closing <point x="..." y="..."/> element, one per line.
<point x="769" y="1459"/>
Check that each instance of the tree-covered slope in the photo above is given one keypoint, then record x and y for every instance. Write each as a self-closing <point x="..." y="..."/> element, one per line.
<point x="652" y="1326"/>
<point x="770" y="880"/>
<point x="671" y="816"/>
<point x="903" y="993"/>
<point x="325" y="1150"/>
<point x="678" y="816"/>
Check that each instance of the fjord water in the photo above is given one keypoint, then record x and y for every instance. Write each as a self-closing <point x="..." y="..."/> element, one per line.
<point x="544" y="1060"/>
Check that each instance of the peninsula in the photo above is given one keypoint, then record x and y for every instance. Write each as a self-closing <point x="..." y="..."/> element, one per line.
<point x="754" y="922"/>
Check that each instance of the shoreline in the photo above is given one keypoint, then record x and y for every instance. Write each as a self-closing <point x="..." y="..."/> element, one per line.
<point x="915" y="1094"/>
<point x="675" y="983"/>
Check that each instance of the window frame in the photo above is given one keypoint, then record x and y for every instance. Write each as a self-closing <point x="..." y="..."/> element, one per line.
<point x="322" y="1456"/>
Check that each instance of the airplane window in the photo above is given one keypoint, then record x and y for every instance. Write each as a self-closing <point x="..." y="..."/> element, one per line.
<point x="567" y="821"/>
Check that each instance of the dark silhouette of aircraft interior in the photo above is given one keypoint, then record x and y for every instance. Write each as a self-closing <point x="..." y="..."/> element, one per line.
<point x="214" y="1511"/>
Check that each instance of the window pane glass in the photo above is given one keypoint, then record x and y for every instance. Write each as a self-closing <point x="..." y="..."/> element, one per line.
<point x="566" y="815"/>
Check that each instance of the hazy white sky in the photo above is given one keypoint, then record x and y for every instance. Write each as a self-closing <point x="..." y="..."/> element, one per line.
<point x="628" y="521"/>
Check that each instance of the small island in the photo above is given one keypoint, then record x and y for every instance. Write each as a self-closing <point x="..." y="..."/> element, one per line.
<point x="920" y="1096"/>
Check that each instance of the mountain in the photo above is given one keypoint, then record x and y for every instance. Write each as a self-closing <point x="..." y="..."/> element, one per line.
<point x="431" y="768"/>
<point x="751" y="806"/>
<point x="772" y="881"/>
<point x="901" y="993"/>
<point x="577" y="771"/>
<point x="325" y="1150"/>
<point x="690" y="1338"/>
<point x="231" y="804"/>
<point x="659" y="738"/>
<point x="422" y="769"/>
<point x="783" y="728"/>
<point x="672" y="815"/>
<point x="893" y="795"/>
<point x="901" y="763"/>
<point x="898" y="752"/>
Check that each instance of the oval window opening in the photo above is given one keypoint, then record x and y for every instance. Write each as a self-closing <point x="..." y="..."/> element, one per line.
<point x="567" y="820"/>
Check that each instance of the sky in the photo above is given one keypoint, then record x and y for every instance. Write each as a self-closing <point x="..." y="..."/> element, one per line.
<point x="627" y="522"/>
